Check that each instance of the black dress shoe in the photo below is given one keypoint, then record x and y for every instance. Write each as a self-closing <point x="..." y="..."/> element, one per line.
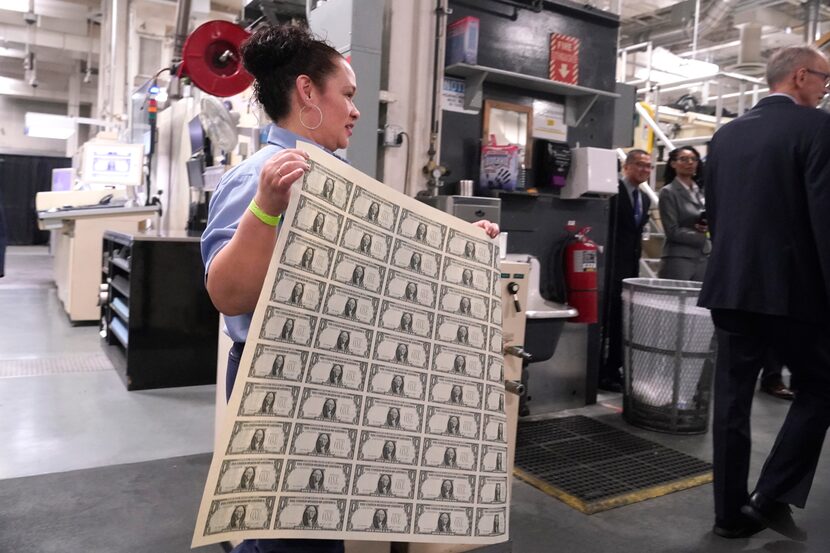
<point x="746" y="529"/>
<point x="774" y="515"/>
<point x="778" y="389"/>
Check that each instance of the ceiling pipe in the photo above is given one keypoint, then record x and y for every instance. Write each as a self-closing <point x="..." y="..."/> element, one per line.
<point x="721" y="46"/>
<point x="696" y="30"/>
<point x="812" y="11"/>
<point x="718" y="10"/>
<point x="182" y="23"/>
<point x="174" y="87"/>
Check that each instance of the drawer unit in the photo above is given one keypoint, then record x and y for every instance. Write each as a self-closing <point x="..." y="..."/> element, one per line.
<point x="158" y="324"/>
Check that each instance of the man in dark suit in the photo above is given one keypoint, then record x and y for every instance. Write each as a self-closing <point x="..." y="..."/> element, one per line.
<point x="768" y="285"/>
<point x="629" y="214"/>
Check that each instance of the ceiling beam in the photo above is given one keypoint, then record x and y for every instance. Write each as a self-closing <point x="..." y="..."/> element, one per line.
<point x="46" y="55"/>
<point x="75" y="9"/>
<point x="18" y="88"/>
<point x="47" y="69"/>
<point x="49" y="39"/>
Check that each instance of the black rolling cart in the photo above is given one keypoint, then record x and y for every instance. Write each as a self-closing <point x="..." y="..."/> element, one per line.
<point x="158" y="325"/>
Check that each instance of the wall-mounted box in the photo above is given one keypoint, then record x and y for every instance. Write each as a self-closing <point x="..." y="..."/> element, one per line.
<point x="593" y="170"/>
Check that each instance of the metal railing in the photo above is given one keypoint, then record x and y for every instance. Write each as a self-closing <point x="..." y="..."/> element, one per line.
<point x="651" y="91"/>
<point x="717" y="81"/>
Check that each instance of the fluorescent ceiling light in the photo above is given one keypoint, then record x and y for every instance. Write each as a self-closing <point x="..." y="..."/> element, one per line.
<point x="21" y="6"/>
<point x="46" y="125"/>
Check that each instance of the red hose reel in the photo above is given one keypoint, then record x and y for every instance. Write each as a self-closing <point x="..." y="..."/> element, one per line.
<point x="212" y="58"/>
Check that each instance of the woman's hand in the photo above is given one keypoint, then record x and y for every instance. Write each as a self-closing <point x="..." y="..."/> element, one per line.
<point x="238" y="270"/>
<point x="492" y="229"/>
<point x="276" y="178"/>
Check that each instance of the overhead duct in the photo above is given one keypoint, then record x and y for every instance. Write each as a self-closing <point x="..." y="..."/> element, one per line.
<point x="750" y="61"/>
<point x="718" y="10"/>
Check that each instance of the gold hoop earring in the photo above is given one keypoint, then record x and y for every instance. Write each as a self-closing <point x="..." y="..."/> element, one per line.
<point x="309" y="127"/>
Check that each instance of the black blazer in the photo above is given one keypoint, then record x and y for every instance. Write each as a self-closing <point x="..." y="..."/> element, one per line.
<point x="768" y="206"/>
<point x="626" y="238"/>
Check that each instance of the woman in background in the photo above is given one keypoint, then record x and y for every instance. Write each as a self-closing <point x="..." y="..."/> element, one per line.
<point x="686" y="247"/>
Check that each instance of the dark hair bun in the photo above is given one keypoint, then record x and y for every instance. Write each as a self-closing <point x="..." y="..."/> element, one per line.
<point x="272" y="47"/>
<point x="277" y="55"/>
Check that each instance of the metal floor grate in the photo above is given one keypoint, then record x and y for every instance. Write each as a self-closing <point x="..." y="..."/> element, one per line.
<point x="592" y="466"/>
<point x="65" y="364"/>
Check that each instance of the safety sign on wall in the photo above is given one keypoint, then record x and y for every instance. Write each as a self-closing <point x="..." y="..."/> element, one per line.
<point x="564" y="58"/>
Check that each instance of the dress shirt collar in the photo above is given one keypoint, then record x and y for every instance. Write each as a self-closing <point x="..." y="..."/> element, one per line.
<point x="782" y="94"/>
<point x="694" y="189"/>
<point x="693" y="192"/>
<point x="284" y="138"/>
<point x="630" y="188"/>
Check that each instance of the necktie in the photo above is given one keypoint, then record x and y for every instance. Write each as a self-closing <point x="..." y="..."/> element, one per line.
<point x="638" y="208"/>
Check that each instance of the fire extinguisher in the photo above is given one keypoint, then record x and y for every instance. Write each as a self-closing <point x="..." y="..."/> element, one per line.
<point x="581" y="275"/>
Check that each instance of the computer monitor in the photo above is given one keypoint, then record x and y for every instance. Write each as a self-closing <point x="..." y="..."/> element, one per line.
<point x="62" y="179"/>
<point x="112" y="163"/>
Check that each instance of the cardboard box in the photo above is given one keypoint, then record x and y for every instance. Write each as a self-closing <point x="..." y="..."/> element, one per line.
<point x="462" y="41"/>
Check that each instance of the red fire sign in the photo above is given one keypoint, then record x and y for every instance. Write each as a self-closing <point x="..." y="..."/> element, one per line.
<point x="564" y="58"/>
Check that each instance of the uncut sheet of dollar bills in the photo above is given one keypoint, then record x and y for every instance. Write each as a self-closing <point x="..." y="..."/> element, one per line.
<point x="369" y="403"/>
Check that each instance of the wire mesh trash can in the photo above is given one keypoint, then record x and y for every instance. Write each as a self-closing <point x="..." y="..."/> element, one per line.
<point x="668" y="356"/>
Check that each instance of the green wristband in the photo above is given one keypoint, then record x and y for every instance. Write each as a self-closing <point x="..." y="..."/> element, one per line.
<point x="270" y="220"/>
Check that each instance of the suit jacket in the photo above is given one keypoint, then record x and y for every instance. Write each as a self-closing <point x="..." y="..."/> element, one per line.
<point x="679" y="211"/>
<point x="768" y="206"/>
<point x="626" y="237"/>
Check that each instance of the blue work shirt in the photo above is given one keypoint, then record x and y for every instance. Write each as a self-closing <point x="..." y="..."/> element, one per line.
<point x="227" y="205"/>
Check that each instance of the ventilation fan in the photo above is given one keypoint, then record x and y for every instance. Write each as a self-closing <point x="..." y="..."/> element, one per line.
<point x="219" y="123"/>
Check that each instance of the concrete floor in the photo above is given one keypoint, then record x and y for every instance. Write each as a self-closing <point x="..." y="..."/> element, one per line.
<point x="57" y="422"/>
<point x="85" y="418"/>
